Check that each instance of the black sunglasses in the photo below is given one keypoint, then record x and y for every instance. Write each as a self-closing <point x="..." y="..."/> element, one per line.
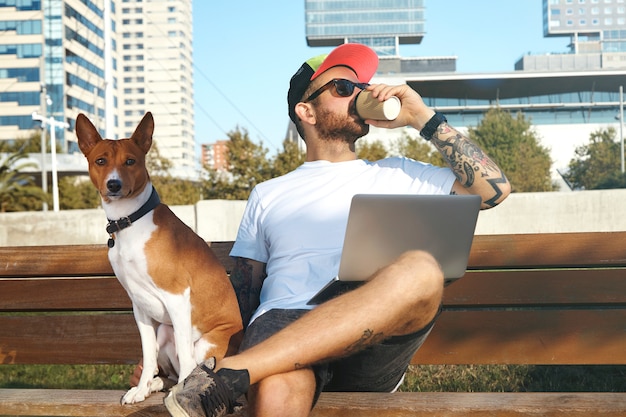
<point x="344" y="88"/>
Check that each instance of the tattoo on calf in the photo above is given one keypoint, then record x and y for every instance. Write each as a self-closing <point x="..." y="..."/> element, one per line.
<point x="368" y="338"/>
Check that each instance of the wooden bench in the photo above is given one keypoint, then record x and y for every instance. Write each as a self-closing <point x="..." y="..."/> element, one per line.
<point x="526" y="299"/>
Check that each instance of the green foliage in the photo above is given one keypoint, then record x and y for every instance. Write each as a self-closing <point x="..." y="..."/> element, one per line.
<point x="289" y="159"/>
<point x="515" y="147"/>
<point x="18" y="191"/>
<point x="514" y="378"/>
<point x="77" y="193"/>
<point x="371" y="151"/>
<point x="419" y="149"/>
<point x="421" y="378"/>
<point x="248" y="166"/>
<point x="598" y="163"/>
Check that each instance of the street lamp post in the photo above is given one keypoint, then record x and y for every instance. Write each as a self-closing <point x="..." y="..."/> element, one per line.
<point x="53" y="124"/>
<point x="621" y="122"/>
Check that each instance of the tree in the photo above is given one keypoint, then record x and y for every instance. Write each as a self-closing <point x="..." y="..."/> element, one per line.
<point x="289" y="159"/>
<point x="248" y="166"/>
<point x="372" y="151"/>
<point x="172" y="191"/>
<point x="18" y="191"/>
<point x="597" y="164"/>
<point x="419" y="149"/>
<point x="515" y="147"/>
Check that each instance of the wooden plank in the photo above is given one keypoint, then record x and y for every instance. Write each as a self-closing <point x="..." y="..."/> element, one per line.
<point x="554" y="337"/>
<point x="548" y="250"/>
<point x="42" y="294"/>
<point x="542" y="337"/>
<point x="475" y="289"/>
<point x="41" y="402"/>
<point x="34" y="402"/>
<point x="69" y="339"/>
<point x="538" y="287"/>
<point x="453" y="404"/>
<point x="62" y="260"/>
<point x="488" y="251"/>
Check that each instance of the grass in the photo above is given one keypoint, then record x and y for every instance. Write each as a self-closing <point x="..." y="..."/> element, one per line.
<point x="447" y="378"/>
<point x="515" y="378"/>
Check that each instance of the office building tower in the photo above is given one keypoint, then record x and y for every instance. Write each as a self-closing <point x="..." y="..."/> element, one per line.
<point x="597" y="32"/>
<point x="52" y="61"/>
<point x="155" y="48"/>
<point x="382" y="25"/>
<point x="110" y="59"/>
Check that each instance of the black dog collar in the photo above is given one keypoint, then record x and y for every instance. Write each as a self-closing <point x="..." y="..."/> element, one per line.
<point x="117" y="225"/>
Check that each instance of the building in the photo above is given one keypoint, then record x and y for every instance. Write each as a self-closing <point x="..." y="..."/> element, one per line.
<point x="156" y="74"/>
<point x="52" y="61"/>
<point x="597" y="32"/>
<point x="215" y="155"/>
<point x="567" y="95"/>
<point x="383" y="26"/>
<point x="110" y="59"/>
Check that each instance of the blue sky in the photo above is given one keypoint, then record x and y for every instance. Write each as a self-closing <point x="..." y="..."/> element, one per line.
<point x="246" y="51"/>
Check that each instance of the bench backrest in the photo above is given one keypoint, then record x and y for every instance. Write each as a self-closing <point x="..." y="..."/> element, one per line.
<point x="526" y="299"/>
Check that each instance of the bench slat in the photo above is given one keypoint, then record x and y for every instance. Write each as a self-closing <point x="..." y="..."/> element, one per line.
<point x="72" y="294"/>
<point x="476" y="289"/>
<point x="62" y="260"/>
<point x="542" y="337"/>
<point x="488" y="251"/>
<point x="548" y="250"/>
<point x="459" y="337"/>
<point x="427" y="404"/>
<point x="69" y="339"/>
<point x="549" y="288"/>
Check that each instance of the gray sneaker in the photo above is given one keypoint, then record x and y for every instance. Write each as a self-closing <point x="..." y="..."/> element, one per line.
<point x="206" y="393"/>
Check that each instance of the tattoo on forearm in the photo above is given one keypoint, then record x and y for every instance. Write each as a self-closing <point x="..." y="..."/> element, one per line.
<point x="467" y="160"/>
<point x="368" y="338"/>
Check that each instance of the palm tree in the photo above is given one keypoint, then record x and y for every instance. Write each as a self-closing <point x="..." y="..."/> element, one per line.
<point x="17" y="188"/>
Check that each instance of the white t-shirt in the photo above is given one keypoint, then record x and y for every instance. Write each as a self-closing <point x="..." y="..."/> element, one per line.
<point x="296" y="223"/>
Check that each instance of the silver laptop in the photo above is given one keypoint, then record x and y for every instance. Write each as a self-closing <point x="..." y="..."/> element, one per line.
<point x="381" y="227"/>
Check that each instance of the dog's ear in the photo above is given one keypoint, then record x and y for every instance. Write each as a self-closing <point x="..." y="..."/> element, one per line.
<point x="142" y="135"/>
<point x="87" y="134"/>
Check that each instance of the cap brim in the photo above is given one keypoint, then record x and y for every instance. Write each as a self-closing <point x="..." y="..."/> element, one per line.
<point x="360" y="58"/>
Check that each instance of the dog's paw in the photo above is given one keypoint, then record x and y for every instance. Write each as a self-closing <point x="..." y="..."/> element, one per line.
<point x="135" y="395"/>
<point x="161" y="383"/>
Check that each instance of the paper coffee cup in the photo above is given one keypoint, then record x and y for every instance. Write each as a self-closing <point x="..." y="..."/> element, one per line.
<point x="368" y="107"/>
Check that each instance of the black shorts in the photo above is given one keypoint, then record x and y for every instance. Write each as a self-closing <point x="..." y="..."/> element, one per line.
<point x="377" y="368"/>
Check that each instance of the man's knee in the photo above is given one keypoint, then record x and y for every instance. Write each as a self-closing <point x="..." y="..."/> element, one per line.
<point x="284" y="394"/>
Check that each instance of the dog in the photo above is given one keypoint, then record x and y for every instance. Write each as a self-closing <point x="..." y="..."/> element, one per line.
<point x="183" y="302"/>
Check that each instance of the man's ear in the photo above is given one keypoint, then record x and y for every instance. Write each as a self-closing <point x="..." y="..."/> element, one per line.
<point x="305" y="113"/>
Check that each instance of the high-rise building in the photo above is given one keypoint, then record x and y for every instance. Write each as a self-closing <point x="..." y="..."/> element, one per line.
<point x="382" y="25"/>
<point x="110" y="59"/>
<point x="52" y="61"/>
<point x="155" y="59"/>
<point x="597" y="32"/>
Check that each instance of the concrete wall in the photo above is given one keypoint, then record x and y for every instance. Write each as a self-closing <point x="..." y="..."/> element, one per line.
<point x="216" y="220"/>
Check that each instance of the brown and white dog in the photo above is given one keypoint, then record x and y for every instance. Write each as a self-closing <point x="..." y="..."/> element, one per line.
<point x="184" y="305"/>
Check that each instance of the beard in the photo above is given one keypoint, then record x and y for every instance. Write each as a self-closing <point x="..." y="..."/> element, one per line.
<point x="335" y="127"/>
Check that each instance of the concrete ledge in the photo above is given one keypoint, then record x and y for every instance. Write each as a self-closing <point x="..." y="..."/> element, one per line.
<point x="218" y="220"/>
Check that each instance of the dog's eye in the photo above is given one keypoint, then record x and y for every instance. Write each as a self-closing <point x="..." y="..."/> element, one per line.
<point x="101" y="161"/>
<point x="130" y="162"/>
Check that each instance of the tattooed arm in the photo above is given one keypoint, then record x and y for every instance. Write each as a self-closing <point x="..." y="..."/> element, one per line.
<point x="247" y="278"/>
<point x="476" y="173"/>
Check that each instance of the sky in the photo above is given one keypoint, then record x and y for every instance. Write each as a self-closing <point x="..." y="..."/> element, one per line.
<point x="246" y="51"/>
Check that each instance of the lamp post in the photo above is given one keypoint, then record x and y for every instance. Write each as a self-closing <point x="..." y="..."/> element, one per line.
<point x="621" y="122"/>
<point x="53" y="124"/>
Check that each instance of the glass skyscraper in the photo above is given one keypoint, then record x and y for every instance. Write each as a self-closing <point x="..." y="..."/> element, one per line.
<point x="381" y="24"/>
<point x="110" y="59"/>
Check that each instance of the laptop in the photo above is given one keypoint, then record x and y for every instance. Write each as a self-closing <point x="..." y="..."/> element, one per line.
<point x="381" y="227"/>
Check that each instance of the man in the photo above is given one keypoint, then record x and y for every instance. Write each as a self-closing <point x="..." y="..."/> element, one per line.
<point x="289" y="244"/>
